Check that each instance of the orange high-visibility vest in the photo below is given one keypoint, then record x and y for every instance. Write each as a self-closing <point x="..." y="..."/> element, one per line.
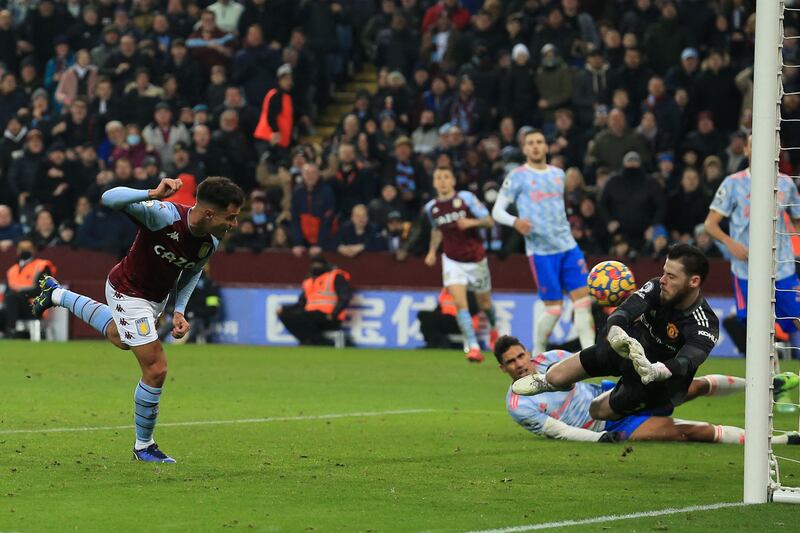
<point x="285" y="119"/>
<point x="446" y="303"/>
<point x="794" y="238"/>
<point x="24" y="279"/>
<point x="321" y="294"/>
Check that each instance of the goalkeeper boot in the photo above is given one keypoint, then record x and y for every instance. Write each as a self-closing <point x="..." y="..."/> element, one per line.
<point x="783" y="384"/>
<point x="530" y="385"/>
<point x="152" y="454"/>
<point x="44" y="301"/>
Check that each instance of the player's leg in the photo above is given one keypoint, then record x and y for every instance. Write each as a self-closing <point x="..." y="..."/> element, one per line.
<point x="481" y="283"/>
<point x="664" y="428"/>
<point x="146" y="398"/>
<point x="629" y="396"/>
<point x="94" y="313"/>
<point x="545" y="271"/>
<point x="787" y="304"/>
<point x="715" y="385"/>
<point x="459" y="294"/>
<point x="573" y="279"/>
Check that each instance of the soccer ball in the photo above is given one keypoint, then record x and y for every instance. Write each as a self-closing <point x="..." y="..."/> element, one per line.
<point x="610" y="283"/>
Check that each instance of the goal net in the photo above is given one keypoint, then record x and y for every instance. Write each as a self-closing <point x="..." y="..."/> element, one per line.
<point x="775" y="142"/>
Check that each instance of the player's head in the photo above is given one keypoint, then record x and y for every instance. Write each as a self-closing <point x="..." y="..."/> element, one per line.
<point x="219" y="201"/>
<point x="514" y="359"/>
<point x="535" y="147"/>
<point x="444" y="181"/>
<point x="685" y="270"/>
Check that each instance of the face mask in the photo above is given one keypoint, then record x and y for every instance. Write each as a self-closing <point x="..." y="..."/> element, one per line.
<point x="133" y="140"/>
<point x="25" y="255"/>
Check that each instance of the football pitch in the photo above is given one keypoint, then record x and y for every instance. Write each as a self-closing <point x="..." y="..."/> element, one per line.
<point x="290" y="439"/>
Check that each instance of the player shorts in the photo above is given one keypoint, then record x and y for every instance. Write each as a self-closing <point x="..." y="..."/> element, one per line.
<point x="475" y="276"/>
<point x="135" y="317"/>
<point x="787" y="300"/>
<point x="558" y="273"/>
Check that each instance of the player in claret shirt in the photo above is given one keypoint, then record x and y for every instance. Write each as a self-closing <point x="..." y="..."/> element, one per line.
<point x="656" y="340"/>
<point x="170" y="249"/>
<point x="455" y="218"/>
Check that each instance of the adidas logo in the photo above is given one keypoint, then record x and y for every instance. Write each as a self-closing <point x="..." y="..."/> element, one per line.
<point x="174" y="236"/>
<point x="120" y="309"/>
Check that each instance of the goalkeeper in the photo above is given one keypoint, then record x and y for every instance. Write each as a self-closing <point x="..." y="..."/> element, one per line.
<point x="565" y="415"/>
<point x="655" y="341"/>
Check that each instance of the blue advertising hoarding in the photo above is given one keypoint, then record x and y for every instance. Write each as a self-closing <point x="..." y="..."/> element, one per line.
<point x="388" y="319"/>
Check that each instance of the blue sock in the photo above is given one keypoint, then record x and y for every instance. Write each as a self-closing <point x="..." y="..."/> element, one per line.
<point x="465" y="323"/>
<point x="146" y="408"/>
<point x="93" y="313"/>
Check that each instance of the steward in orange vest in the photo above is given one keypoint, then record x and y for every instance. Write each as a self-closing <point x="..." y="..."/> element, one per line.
<point x="322" y="305"/>
<point x="276" y="122"/>
<point x="22" y="284"/>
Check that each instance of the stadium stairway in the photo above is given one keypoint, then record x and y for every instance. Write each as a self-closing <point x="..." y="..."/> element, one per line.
<point x="342" y="102"/>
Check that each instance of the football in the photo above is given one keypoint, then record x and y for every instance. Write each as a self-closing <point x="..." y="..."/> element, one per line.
<point x="610" y="283"/>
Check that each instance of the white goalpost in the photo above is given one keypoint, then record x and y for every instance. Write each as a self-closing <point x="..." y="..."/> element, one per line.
<point x="762" y="481"/>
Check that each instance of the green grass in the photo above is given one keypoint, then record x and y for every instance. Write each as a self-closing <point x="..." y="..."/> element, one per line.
<point x="462" y="465"/>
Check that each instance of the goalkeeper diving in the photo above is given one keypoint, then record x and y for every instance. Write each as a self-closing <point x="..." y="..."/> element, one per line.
<point x="655" y="341"/>
<point x="565" y="415"/>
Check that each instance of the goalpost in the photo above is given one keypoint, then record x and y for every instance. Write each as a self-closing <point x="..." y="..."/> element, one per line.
<point x="762" y="481"/>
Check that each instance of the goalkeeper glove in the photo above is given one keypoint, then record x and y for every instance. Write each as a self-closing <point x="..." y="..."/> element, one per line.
<point x="625" y="345"/>
<point x="610" y="436"/>
<point x="655" y="372"/>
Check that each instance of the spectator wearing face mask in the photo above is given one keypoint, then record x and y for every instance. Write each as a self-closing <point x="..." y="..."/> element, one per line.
<point x="22" y="284"/>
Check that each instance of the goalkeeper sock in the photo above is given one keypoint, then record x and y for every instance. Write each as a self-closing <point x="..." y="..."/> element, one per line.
<point x="720" y="385"/>
<point x="584" y="321"/>
<point x="544" y="326"/>
<point x="145" y="407"/>
<point x="93" y="313"/>
<point x="465" y="323"/>
<point x="728" y="435"/>
<point x="490" y="316"/>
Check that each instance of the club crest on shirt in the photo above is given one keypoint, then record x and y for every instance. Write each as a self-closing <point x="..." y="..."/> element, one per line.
<point x="672" y="331"/>
<point x="205" y="249"/>
<point x="143" y="326"/>
<point x="457" y="203"/>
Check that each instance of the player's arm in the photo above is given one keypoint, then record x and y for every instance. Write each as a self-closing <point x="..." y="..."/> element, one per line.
<point x="433" y="247"/>
<point x="483" y="219"/>
<point x="120" y="197"/>
<point x="721" y="208"/>
<point x="635" y="305"/>
<point x="539" y="423"/>
<point x="700" y="340"/>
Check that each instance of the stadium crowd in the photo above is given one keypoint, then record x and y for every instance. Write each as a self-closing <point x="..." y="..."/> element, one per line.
<point x="646" y="104"/>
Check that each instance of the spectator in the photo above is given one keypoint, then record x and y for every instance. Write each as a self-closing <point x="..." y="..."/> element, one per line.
<point x="397" y="47"/>
<point x="210" y="45"/>
<point x="425" y="138"/>
<point x="322" y="304"/>
<point x="227" y="14"/>
<point x="631" y="76"/>
<point x="705" y="140"/>
<point x="11" y="97"/>
<point x="123" y="65"/>
<point x="352" y="183"/>
<point x="313" y="209"/>
<point x="58" y="64"/>
<point x="687" y="207"/>
<point x="275" y="125"/>
<point x="631" y="186"/>
<point x="705" y="242"/>
<point x="134" y="149"/>
<point x="554" y="81"/>
<point x="468" y="112"/>
<point x="11" y="144"/>
<point x="246" y="238"/>
<point x="232" y="141"/>
<point x="78" y="80"/>
<point x="10" y="231"/>
<point x="22" y="284"/>
<point x="665" y="110"/>
<point x="734" y="157"/>
<point x="568" y="140"/>
<point x="360" y="235"/>
<point x="608" y="146"/>
<point x="518" y="92"/>
<point x="163" y="134"/>
<point x="716" y="92"/>
<point x="555" y="32"/>
<point x="186" y="71"/>
<point x="684" y="75"/>
<point x="657" y="242"/>
<point x="666" y="39"/>
<point x="106" y="230"/>
<point x="23" y="171"/>
<point x="74" y="128"/>
<point x="406" y="175"/>
<point x="590" y="87"/>
<point x="109" y="43"/>
<point x="44" y="233"/>
<point x="52" y="188"/>
<point x="452" y="9"/>
<point x="140" y="99"/>
<point x="255" y="65"/>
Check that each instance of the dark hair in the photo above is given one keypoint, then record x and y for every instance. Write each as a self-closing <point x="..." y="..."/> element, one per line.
<point x="532" y="132"/>
<point x="502" y="345"/>
<point x="694" y="261"/>
<point x="220" y="192"/>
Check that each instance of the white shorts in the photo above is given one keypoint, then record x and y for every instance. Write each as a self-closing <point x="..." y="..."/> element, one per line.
<point x="475" y="276"/>
<point x="135" y="318"/>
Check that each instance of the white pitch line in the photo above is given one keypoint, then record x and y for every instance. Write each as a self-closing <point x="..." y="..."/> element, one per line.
<point x="222" y="422"/>
<point x="611" y="518"/>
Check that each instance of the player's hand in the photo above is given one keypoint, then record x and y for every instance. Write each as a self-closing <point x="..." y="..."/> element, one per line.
<point x="165" y="189"/>
<point x="430" y="259"/>
<point x="610" y="436"/>
<point x="738" y="250"/>
<point x="466" y="223"/>
<point x="619" y="341"/>
<point x="180" y="327"/>
<point x="523" y="225"/>
<point x="657" y="372"/>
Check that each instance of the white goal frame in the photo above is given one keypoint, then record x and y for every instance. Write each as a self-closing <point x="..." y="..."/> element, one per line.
<point x="760" y="468"/>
